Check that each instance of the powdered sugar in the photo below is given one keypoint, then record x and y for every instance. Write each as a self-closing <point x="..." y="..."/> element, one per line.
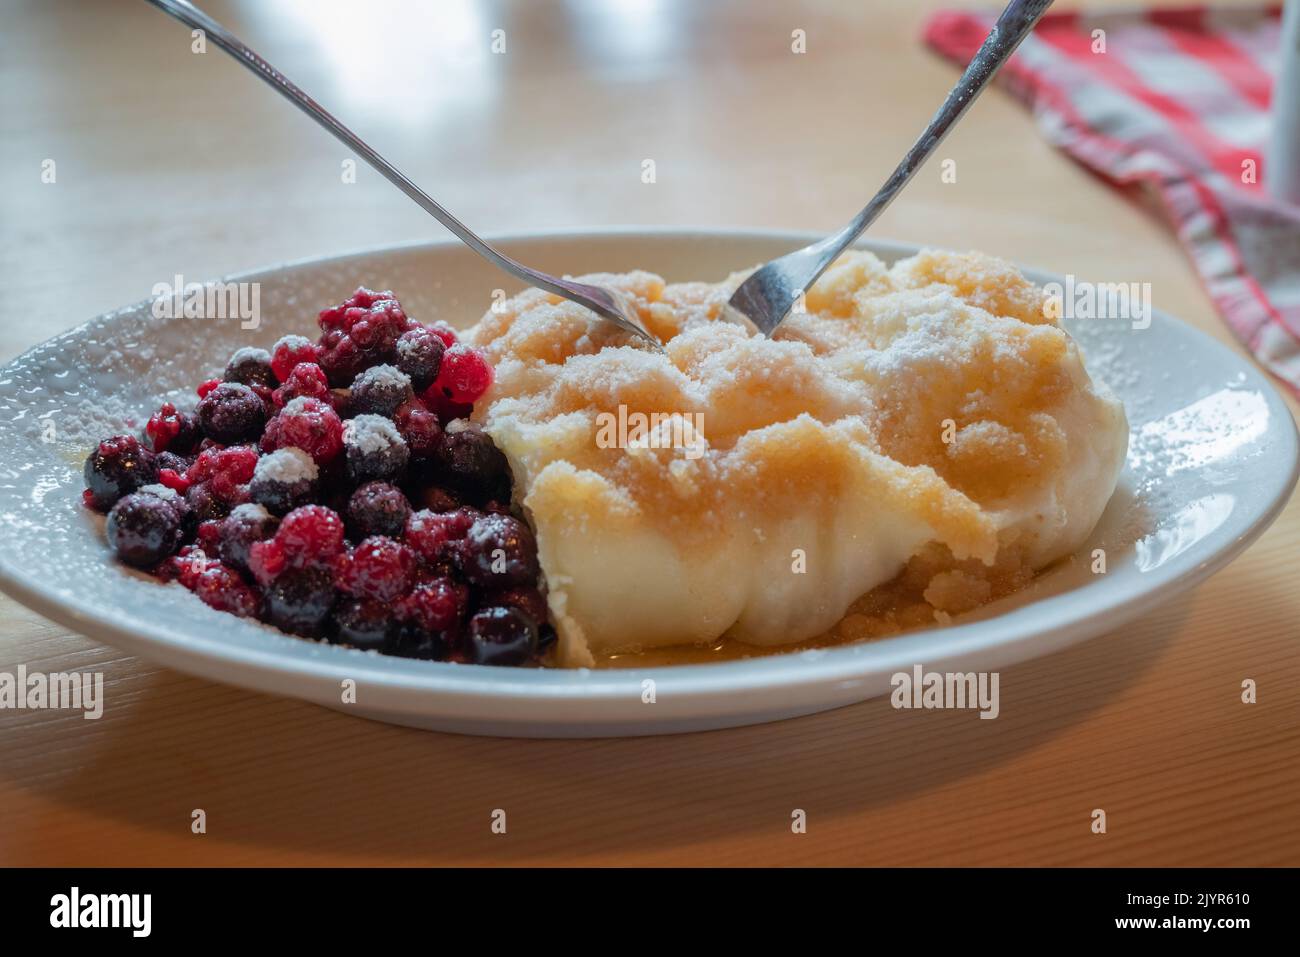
<point x="250" y="511"/>
<point x="293" y="343"/>
<point x="287" y="466"/>
<point x="249" y="354"/>
<point x="371" y="433"/>
<point x="162" y="491"/>
<point x="385" y="375"/>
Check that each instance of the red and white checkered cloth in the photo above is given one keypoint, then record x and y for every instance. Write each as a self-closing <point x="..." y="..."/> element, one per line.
<point x="1178" y="103"/>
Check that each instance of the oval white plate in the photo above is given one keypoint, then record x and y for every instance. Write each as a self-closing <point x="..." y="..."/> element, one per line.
<point x="1213" y="459"/>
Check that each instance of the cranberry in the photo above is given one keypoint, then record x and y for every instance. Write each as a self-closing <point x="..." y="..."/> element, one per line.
<point x="469" y="462"/>
<point x="172" y="431"/>
<point x="363" y="623"/>
<point x="419" y="427"/>
<point x="499" y="552"/>
<point x="435" y="606"/>
<point x="238" y="532"/>
<point x="465" y="374"/>
<point x="251" y="367"/>
<point x="300" y="600"/>
<point x="377" y="508"/>
<point x="419" y="355"/>
<point x="144" y="528"/>
<point x="231" y="412"/>
<point x="501" y="636"/>
<point x="379" y="391"/>
<point x="434" y="535"/>
<point x="441" y="406"/>
<point x="307" y="379"/>
<point x="291" y="351"/>
<point x="378" y="568"/>
<point x="222" y="588"/>
<point x="117" y="466"/>
<point x="374" y="449"/>
<point x="308" y="424"/>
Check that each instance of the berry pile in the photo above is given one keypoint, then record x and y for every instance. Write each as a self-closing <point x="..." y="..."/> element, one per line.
<point x="336" y="490"/>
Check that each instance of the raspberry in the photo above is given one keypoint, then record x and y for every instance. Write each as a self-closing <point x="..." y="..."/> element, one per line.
<point x="501" y="636"/>
<point x="363" y="298"/>
<point x="419" y="427"/>
<point x="144" y="528"/>
<point x="342" y="359"/>
<point x="312" y="534"/>
<point x="118" y="465"/>
<point x="231" y="412"/>
<point x="306" y="378"/>
<point x="308" y="424"/>
<point x="378" y="568"/>
<point x="419" y="355"/>
<point x="359" y="333"/>
<point x="434" y="535"/>
<point x="251" y="367"/>
<point x="266" y="561"/>
<point x="222" y="588"/>
<point x="224" y="472"/>
<point x="363" y="623"/>
<point x="465" y="374"/>
<point x="435" y="606"/>
<point x="379" y="391"/>
<point x="377" y="508"/>
<point x="499" y="552"/>
<point x="291" y="351"/>
<point x="172" y="431"/>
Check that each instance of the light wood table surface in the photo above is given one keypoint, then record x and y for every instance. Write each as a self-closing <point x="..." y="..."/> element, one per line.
<point x="170" y="162"/>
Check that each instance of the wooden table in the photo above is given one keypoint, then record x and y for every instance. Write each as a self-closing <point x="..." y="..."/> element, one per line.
<point x="171" y="162"/>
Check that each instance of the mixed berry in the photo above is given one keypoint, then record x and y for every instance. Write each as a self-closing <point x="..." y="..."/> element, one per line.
<point x="337" y="490"/>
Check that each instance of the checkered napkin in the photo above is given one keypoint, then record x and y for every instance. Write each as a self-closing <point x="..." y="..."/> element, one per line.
<point x="1178" y="103"/>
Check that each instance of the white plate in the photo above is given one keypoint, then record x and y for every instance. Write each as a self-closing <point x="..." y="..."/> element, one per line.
<point x="1213" y="459"/>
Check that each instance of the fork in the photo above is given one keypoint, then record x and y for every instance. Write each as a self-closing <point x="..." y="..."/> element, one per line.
<point x="608" y="303"/>
<point x="769" y="294"/>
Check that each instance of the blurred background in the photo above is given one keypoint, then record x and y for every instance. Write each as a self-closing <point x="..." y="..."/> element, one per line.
<point x="171" y="162"/>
